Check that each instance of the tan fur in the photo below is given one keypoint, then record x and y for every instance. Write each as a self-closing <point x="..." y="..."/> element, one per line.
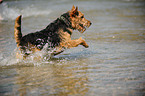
<point x="66" y="37"/>
<point x="17" y="30"/>
<point x="66" y="41"/>
<point x="77" y="19"/>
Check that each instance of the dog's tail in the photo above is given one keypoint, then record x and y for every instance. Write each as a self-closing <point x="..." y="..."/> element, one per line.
<point x="17" y="30"/>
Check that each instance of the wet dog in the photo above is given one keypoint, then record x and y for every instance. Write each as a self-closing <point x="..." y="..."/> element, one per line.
<point x="57" y="35"/>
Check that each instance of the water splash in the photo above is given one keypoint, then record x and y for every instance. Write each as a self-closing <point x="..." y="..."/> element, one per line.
<point x="10" y="13"/>
<point x="8" y="60"/>
<point x="16" y="58"/>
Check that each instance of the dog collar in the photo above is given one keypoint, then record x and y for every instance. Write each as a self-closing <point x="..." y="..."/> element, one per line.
<point x="66" y="21"/>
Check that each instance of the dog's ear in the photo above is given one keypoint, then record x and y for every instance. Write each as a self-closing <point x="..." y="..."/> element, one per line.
<point x="74" y="11"/>
<point x="73" y="8"/>
<point x="76" y="8"/>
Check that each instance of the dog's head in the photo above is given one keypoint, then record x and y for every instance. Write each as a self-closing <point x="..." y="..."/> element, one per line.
<point x="78" y="20"/>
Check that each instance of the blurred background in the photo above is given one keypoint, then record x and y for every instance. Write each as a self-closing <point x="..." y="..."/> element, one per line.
<point x="113" y="65"/>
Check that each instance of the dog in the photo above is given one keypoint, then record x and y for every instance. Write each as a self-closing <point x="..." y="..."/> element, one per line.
<point x="57" y="35"/>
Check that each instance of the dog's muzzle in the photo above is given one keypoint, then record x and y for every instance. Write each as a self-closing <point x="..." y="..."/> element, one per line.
<point x="84" y="26"/>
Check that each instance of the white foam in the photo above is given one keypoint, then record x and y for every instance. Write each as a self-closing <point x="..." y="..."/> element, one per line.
<point x="8" y="60"/>
<point x="12" y="12"/>
<point x="11" y="59"/>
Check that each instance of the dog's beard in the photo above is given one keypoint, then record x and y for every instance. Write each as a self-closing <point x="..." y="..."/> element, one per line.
<point x="81" y="28"/>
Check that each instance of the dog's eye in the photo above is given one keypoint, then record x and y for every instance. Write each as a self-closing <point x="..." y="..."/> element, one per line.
<point x="82" y="17"/>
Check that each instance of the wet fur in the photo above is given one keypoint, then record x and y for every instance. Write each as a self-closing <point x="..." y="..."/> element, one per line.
<point x="57" y="34"/>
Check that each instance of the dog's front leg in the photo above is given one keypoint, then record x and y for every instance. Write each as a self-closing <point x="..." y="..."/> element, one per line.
<point x="76" y="42"/>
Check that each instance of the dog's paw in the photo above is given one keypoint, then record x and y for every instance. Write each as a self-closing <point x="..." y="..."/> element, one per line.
<point x="84" y="43"/>
<point x="86" y="46"/>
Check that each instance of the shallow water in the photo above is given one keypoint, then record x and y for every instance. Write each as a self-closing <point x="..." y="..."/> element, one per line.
<point x="113" y="65"/>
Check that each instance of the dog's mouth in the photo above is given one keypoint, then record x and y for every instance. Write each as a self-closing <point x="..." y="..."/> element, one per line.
<point x="82" y="27"/>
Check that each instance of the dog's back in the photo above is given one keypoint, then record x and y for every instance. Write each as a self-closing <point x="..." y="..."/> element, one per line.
<point x="36" y="41"/>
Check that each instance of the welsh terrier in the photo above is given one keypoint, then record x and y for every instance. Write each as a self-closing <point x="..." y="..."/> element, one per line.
<point x="57" y="35"/>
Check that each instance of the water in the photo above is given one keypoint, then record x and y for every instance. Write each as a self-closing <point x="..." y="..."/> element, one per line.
<point x="113" y="65"/>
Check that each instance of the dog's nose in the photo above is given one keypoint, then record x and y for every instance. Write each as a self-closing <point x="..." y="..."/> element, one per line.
<point x="90" y="23"/>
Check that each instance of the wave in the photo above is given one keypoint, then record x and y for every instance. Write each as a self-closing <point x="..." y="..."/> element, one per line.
<point x="10" y="13"/>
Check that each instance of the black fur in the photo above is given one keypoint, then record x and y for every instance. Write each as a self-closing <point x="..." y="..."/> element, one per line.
<point x="48" y="35"/>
